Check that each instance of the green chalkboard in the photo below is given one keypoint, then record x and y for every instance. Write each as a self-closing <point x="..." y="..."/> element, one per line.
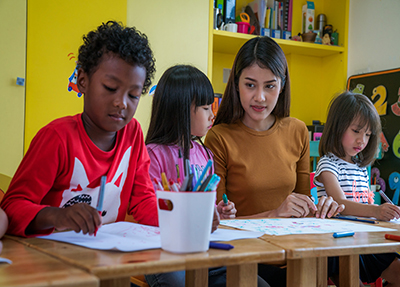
<point x="383" y="88"/>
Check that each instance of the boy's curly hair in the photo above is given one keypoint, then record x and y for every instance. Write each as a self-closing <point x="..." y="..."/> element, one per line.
<point x="125" y="42"/>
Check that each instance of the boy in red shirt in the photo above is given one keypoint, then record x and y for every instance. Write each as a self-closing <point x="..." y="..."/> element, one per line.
<point x="57" y="183"/>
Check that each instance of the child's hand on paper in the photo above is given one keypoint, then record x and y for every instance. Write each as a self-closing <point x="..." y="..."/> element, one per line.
<point x="387" y="212"/>
<point x="215" y="222"/>
<point x="78" y="217"/>
<point x="327" y="207"/>
<point x="227" y="211"/>
<point x="295" y="205"/>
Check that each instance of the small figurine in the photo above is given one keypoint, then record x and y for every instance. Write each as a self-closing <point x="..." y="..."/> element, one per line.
<point x="296" y="37"/>
<point x="326" y="40"/>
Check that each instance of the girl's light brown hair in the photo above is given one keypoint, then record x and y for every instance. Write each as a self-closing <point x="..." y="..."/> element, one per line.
<point x="343" y="110"/>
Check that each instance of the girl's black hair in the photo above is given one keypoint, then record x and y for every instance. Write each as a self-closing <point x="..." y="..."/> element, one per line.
<point x="342" y="111"/>
<point x="125" y="42"/>
<point x="266" y="53"/>
<point x="178" y="89"/>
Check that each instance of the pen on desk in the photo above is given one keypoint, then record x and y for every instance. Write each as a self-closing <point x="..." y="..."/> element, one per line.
<point x="384" y="196"/>
<point x="225" y="199"/>
<point x="343" y="234"/>
<point x="99" y="206"/>
<point x="392" y="237"/>
<point x="356" y="219"/>
<point x="223" y="246"/>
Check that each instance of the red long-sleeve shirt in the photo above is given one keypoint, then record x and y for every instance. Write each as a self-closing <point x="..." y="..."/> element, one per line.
<point x="63" y="167"/>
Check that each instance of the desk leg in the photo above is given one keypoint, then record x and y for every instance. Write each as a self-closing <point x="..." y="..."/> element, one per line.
<point x="119" y="282"/>
<point x="244" y="275"/>
<point x="349" y="270"/>
<point x="302" y="272"/>
<point x="322" y="271"/>
<point x="197" y="278"/>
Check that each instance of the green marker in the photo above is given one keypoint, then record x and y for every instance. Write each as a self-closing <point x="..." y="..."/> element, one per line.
<point x="225" y="199"/>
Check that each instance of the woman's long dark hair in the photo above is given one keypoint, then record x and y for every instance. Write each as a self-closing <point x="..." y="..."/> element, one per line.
<point x="179" y="87"/>
<point x="266" y="53"/>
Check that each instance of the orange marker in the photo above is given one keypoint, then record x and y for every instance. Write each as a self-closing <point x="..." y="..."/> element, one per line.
<point x="165" y="182"/>
<point x="392" y="237"/>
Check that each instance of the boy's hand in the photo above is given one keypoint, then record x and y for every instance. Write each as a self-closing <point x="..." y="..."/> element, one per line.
<point x="215" y="222"/>
<point x="226" y="211"/>
<point x="78" y="217"/>
<point x="327" y="207"/>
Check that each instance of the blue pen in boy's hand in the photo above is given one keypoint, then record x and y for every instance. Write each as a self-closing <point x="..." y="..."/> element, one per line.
<point x="100" y="200"/>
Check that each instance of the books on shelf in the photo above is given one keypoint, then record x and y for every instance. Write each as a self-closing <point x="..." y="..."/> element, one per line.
<point x="278" y="16"/>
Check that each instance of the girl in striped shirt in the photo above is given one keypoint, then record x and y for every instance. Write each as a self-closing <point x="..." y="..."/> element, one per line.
<point x="347" y="146"/>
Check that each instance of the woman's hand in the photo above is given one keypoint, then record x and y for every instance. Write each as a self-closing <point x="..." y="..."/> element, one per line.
<point x="327" y="207"/>
<point x="227" y="211"/>
<point x="296" y="205"/>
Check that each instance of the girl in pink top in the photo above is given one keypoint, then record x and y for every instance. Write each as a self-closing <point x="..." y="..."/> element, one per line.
<point x="181" y="115"/>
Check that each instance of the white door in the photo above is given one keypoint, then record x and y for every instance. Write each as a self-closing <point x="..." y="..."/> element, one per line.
<point x="12" y="95"/>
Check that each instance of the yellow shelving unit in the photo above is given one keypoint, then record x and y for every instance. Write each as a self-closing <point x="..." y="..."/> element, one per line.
<point x="317" y="72"/>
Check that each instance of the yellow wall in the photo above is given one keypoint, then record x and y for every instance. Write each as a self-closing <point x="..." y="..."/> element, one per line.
<point x="12" y="97"/>
<point x="55" y="29"/>
<point x="178" y="34"/>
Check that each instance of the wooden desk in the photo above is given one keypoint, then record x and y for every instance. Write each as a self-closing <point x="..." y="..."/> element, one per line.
<point x="306" y="254"/>
<point x="33" y="268"/>
<point x="115" y="268"/>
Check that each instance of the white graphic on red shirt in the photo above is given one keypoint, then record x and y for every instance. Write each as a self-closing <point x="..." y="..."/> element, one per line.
<point x="80" y="191"/>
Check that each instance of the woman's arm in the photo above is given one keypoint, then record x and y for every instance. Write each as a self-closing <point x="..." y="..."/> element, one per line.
<point x="295" y="205"/>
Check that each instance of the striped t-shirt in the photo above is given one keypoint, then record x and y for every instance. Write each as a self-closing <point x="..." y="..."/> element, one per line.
<point x="352" y="178"/>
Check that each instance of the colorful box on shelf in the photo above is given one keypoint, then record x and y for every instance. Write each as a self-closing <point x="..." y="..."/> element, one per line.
<point x="286" y="35"/>
<point x="266" y="32"/>
<point x="276" y="34"/>
<point x="308" y="17"/>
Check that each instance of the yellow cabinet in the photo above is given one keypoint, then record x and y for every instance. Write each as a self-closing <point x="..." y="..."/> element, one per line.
<point x="317" y="72"/>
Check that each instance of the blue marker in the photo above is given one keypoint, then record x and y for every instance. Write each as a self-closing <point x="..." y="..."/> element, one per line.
<point x="203" y="175"/>
<point x="343" y="234"/>
<point x="225" y="199"/>
<point x="101" y="193"/>
<point x="221" y="246"/>
<point x="211" y="183"/>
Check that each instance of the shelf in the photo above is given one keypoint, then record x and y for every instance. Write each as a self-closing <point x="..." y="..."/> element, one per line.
<point x="230" y="43"/>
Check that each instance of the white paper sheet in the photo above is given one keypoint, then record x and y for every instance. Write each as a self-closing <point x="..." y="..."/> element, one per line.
<point x="128" y="236"/>
<point x="309" y="225"/>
